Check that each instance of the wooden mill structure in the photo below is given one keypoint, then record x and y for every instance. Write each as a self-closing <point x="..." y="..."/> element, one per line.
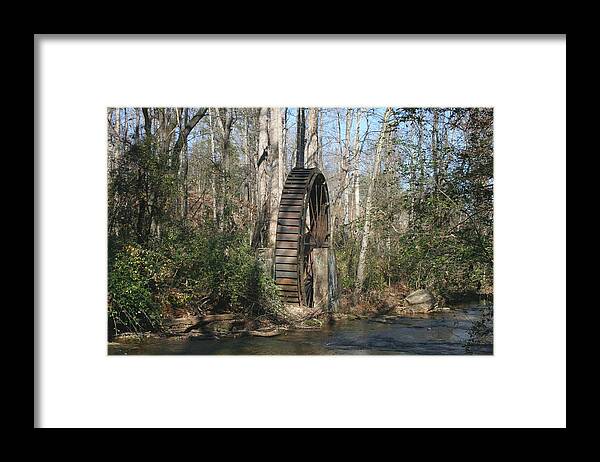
<point x="304" y="264"/>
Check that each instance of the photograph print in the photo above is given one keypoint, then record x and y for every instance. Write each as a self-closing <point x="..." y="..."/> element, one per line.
<point x="300" y="231"/>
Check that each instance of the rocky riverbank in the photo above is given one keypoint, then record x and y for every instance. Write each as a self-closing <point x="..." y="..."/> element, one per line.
<point x="210" y="327"/>
<point x="438" y="332"/>
<point x="384" y="307"/>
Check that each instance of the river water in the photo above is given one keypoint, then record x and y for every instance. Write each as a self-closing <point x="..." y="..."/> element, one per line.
<point x="440" y="333"/>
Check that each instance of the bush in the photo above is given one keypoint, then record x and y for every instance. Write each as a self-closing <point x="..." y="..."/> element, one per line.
<point x="441" y="263"/>
<point x="453" y="265"/>
<point x="346" y="255"/>
<point x="188" y="271"/>
<point x="131" y="306"/>
<point x="232" y="276"/>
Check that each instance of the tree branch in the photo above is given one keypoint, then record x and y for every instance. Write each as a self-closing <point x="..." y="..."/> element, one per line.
<point x="187" y="129"/>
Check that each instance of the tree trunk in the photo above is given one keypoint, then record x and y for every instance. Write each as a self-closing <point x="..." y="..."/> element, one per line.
<point x="137" y="125"/>
<point x="276" y="170"/>
<point x="346" y="169"/>
<point x="360" y="272"/>
<point x="118" y="130"/>
<point x="280" y="128"/>
<point x="213" y="158"/>
<point x="188" y="126"/>
<point x="312" y="145"/>
<point x="412" y="182"/>
<point x="434" y="151"/>
<point x="186" y="167"/>
<point x="300" y="129"/>
<point x="262" y="180"/>
<point x="355" y="171"/>
<point x="251" y="180"/>
<point x="225" y="123"/>
<point x="284" y="142"/>
<point x="421" y="156"/>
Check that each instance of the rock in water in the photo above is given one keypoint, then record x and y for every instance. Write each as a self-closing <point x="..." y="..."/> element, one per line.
<point x="420" y="301"/>
<point x="419" y="296"/>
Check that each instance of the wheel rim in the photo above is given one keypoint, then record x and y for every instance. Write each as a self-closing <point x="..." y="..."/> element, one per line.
<point x="302" y="225"/>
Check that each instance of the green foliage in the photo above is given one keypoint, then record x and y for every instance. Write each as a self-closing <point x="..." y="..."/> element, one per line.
<point x="346" y="254"/>
<point x="226" y="268"/>
<point x="482" y="331"/>
<point x="132" y="307"/>
<point x="427" y="232"/>
<point x="440" y="262"/>
<point x="142" y="177"/>
<point x="189" y="271"/>
<point x="262" y="297"/>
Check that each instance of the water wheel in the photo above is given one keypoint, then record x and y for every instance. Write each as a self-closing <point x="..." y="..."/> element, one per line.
<point x="302" y="227"/>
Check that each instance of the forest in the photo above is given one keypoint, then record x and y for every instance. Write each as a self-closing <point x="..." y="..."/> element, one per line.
<point x="193" y="196"/>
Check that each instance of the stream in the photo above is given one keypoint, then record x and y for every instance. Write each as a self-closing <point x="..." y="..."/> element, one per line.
<point x="438" y="333"/>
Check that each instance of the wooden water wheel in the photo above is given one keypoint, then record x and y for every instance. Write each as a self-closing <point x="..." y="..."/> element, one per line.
<point x="302" y="226"/>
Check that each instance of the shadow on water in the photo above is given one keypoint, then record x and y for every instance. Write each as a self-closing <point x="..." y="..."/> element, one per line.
<point x="440" y="333"/>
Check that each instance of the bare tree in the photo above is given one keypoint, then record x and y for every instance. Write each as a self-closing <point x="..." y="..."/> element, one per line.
<point x="226" y="119"/>
<point x="300" y="138"/>
<point x="213" y="158"/>
<point x="434" y="150"/>
<point x="356" y="151"/>
<point x="360" y="272"/>
<point x="276" y="171"/>
<point x="312" y="144"/>
<point x="262" y="180"/>
<point x="284" y="132"/>
<point x="346" y="168"/>
<point x="153" y="204"/>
